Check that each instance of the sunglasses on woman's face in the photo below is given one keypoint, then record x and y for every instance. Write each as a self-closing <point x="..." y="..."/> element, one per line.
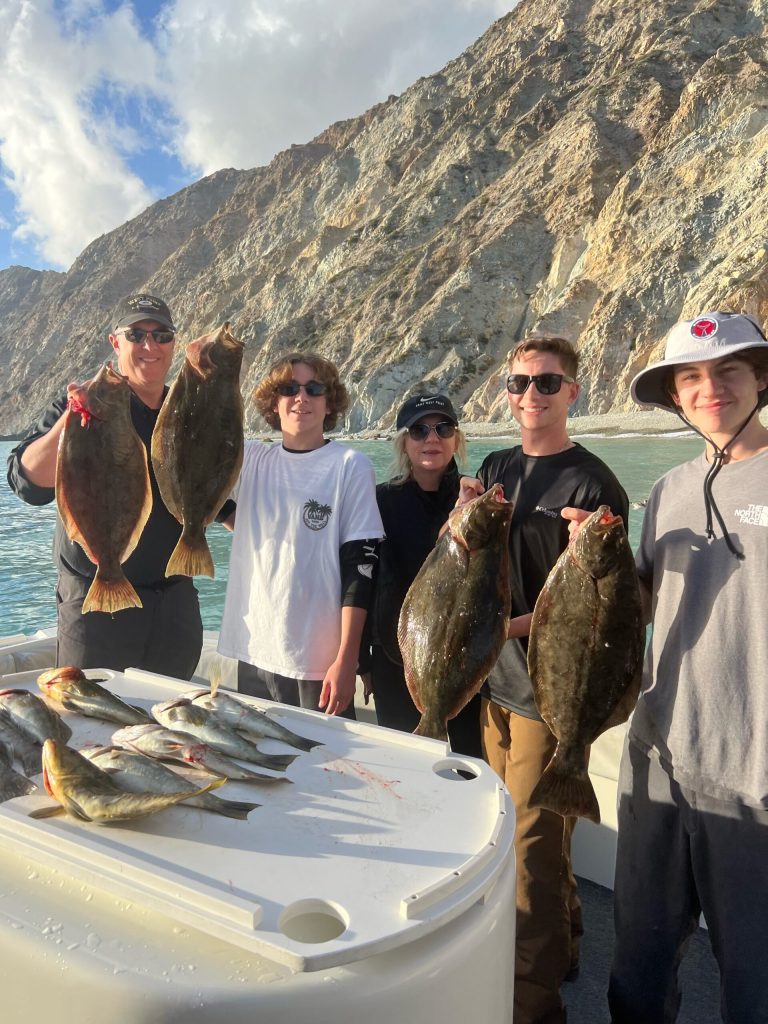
<point x="546" y="383"/>
<point x="138" y="334"/>
<point x="291" y="388"/>
<point x="421" y="431"/>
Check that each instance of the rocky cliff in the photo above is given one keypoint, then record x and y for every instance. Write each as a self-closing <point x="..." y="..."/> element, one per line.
<point x="595" y="168"/>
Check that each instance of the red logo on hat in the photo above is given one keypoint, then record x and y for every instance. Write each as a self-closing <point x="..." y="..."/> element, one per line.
<point x="704" y="328"/>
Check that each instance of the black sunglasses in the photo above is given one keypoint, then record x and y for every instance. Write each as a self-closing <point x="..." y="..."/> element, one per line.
<point x="421" y="431"/>
<point x="546" y="383"/>
<point x="138" y="334"/>
<point x="291" y="388"/>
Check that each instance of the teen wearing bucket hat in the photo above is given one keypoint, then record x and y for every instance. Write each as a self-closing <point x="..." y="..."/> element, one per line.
<point x="414" y="505"/>
<point x="142" y="335"/>
<point x="693" y="807"/>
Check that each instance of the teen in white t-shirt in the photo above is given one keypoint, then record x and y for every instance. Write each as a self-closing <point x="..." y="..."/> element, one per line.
<point x="305" y="536"/>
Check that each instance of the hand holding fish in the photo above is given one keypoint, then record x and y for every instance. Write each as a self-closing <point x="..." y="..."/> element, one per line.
<point x="576" y="517"/>
<point x="469" y="488"/>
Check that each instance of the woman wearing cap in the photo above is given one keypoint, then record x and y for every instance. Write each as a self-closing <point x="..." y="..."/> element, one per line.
<point x="414" y="505"/>
<point x="693" y="812"/>
<point x="305" y="537"/>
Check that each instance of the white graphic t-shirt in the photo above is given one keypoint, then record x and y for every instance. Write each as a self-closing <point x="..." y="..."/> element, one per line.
<point x="282" y="611"/>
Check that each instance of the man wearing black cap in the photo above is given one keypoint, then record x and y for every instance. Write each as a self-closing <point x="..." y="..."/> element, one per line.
<point x="693" y="785"/>
<point x="165" y="635"/>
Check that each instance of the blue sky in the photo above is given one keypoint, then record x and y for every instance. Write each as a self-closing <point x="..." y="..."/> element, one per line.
<point x="108" y="105"/>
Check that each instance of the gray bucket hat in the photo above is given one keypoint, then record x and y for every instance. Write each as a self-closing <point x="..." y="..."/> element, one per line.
<point x="709" y="336"/>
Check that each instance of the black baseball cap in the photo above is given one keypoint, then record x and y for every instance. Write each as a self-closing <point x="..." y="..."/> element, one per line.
<point x="424" y="405"/>
<point x="134" y="308"/>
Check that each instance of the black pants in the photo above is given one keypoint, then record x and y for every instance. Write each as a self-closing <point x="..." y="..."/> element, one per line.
<point x="164" y="636"/>
<point x="396" y="710"/>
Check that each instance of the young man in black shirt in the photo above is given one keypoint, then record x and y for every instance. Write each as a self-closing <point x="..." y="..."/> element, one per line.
<point x="547" y="476"/>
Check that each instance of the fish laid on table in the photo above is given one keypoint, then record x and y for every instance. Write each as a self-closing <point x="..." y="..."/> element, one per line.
<point x="27" y="752"/>
<point x="585" y="654"/>
<point x="102" y="487"/>
<point x="454" y="618"/>
<point x="197" y="444"/>
<point x="88" y="793"/>
<point x="11" y="783"/>
<point x="74" y="691"/>
<point x="180" y="713"/>
<point x="167" y="745"/>
<point x="138" y="773"/>
<point x="33" y="716"/>
<point x="246" y="719"/>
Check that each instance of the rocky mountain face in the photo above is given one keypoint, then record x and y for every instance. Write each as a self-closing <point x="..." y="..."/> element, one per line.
<point x="592" y="168"/>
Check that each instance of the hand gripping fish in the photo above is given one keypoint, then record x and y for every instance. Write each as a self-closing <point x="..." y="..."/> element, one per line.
<point x="453" y="622"/>
<point x="182" y="714"/>
<point x="102" y="487"/>
<point x="197" y="444"/>
<point x="167" y="745"/>
<point x="138" y="773"/>
<point x="88" y="793"/>
<point x="74" y="691"/>
<point x="585" y="654"/>
<point x="246" y="719"/>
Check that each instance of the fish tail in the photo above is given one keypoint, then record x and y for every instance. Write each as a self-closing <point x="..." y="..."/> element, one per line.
<point x="110" y="595"/>
<point x="566" y="791"/>
<point x="239" y="809"/>
<point x="191" y="556"/>
<point x="432" y="727"/>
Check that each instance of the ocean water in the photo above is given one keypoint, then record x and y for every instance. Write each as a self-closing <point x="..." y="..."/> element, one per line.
<point x="28" y="578"/>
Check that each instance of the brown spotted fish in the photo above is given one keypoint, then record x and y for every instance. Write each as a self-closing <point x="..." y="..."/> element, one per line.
<point x="453" y="622"/>
<point x="102" y="487"/>
<point x="197" y="445"/>
<point x="585" y="654"/>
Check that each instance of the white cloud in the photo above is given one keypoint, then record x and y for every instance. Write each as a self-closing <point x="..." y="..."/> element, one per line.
<point x="249" y="78"/>
<point x="84" y="86"/>
<point x="60" y="158"/>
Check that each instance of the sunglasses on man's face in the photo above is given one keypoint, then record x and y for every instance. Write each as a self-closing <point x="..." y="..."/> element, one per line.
<point x="546" y="383"/>
<point x="291" y="388"/>
<point x="421" y="431"/>
<point x="138" y="334"/>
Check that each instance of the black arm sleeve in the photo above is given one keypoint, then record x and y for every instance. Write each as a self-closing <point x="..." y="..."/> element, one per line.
<point x="358" y="560"/>
<point x="25" y="489"/>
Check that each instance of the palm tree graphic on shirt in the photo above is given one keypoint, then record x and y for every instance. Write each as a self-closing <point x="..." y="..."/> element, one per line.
<point x="316" y="516"/>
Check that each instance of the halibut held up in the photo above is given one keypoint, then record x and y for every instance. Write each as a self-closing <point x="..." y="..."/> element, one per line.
<point x="197" y="445"/>
<point x="102" y="486"/>
<point x="585" y="654"/>
<point x="453" y="622"/>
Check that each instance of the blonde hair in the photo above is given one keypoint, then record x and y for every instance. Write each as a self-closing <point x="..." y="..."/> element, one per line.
<point x="281" y="372"/>
<point x="401" y="470"/>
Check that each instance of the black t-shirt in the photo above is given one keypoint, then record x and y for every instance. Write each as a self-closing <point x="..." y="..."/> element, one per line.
<point x="146" y="565"/>
<point x="540" y="486"/>
<point x="412" y="519"/>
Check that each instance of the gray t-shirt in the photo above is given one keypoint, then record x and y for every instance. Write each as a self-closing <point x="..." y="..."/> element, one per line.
<point x="704" y="706"/>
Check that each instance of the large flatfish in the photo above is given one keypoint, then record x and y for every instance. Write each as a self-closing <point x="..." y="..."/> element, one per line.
<point x="453" y="622"/>
<point x="585" y="654"/>
<point x="197" y="445"/>
<point x="102" y="486"/>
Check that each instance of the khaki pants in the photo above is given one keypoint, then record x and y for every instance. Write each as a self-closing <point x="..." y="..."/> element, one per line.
<point x="548" y="909"/>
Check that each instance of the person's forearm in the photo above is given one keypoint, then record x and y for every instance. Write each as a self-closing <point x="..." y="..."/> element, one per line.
<point x="38" y="460"/>
<point x="352" y="623"/>
<point x="519" y="626"/>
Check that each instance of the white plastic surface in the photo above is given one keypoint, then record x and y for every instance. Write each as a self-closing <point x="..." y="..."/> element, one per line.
<point x="377" y="842"/>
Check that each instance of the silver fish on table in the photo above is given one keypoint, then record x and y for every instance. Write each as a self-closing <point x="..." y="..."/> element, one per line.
<point x="75" y="692"/>
<point x="88" y="793"/>
<point x="246" y="719"/>
<point x="33" y="716"/>
<point x="11" y="783"/>
<point x="182" y="714"/>
<point x="167" y="745"/>
<point x="138" y="773"/>
<point x="27" y="752"/>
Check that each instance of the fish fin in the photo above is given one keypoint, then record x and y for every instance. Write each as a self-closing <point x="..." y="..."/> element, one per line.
<point x="566" y="792"/>
<point x="144" y="512"/>
<point x="71" y="528"/>
<point x="239" y="809"/>
<point x="191" y="557"/>
<point x="431" y="727"/>
<point x="46" y="812"/>
<point x="211" y="785"/>
<point x="110" y="596"/>
<point x="141" y="711"/>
